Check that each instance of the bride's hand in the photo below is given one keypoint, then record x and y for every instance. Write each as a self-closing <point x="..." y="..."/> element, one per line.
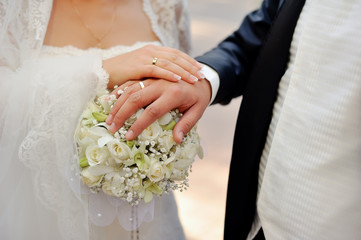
<point x="152" y="61"/>
<point x="159" y="97"/>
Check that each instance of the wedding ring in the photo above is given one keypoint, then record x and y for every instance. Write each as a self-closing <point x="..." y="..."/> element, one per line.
<point x="141" y="85"/>
<point x="154" y="61"/>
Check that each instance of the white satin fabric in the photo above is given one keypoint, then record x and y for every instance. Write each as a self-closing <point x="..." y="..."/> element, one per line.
<point x="43" y="91"/>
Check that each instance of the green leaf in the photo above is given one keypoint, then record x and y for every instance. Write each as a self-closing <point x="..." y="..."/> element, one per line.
<point x="155" y="189"/>
<point x="169" y="126"/>
<point x="100" y="117"/>
<point x="83" y="162"/>
<point x="139" y="160"/>
<point x="130" y="143"/>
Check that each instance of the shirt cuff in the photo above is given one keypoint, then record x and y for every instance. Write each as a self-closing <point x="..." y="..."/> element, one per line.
<point x="213" y="78"/>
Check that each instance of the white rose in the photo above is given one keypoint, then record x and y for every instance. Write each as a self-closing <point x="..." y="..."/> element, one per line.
<point x="156" y="171"/>
<point x="83" y="140"/>
<point x="90" y="179"/>
<point x="151" y="132"/>
<point x="119" y="150"/>
<point x="96" y="155"/>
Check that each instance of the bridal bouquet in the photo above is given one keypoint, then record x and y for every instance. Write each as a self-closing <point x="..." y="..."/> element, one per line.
<point x="152" y="164"/>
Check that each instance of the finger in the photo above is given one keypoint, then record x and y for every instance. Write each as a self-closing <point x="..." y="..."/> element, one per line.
<point x="151" y="113"/>
<point x="162" y="73"/>
<point x="181" y="59"/>
<point x="187" y="122"/>
<point x="122" y="93"/>
<point x="180" y="68"/>
<point x="120" y="90"/>
<point x="176" y="52"/>
<point x="129" y="103"/>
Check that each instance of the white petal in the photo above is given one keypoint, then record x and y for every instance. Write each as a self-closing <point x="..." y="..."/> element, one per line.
<point x="98" y="170"/>
<point x="104" y="140"/>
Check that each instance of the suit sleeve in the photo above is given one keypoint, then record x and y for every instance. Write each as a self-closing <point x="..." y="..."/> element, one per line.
<point x="234" y="58"/>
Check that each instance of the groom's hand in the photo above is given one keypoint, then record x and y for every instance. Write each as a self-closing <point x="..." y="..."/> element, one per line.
<point x="159" y="97"/>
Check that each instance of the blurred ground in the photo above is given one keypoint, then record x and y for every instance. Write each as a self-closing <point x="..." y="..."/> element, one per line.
<point x="202" y="206"/>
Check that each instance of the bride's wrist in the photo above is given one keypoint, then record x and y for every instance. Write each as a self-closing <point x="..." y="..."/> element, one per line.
<point x="107" y="67"/>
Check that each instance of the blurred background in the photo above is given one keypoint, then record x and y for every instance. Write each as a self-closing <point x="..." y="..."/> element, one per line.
<point x="202" y="206"/>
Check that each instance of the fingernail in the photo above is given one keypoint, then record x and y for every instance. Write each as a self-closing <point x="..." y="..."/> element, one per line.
<point x="201" y="75"/>
<point x="109" y="118"/>
<point x="195" y="79"/>
<point x="199" y="65"/>
<point x="129" y="135"/>
<point x="177" y="77"/>
<point x="181" y="135"/>
<point x="112" y="128"/>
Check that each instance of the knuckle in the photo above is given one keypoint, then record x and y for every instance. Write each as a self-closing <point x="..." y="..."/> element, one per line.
<point x="118" y="120"/>
<point x="176" y="90"/>
<point x="153" y="111"/>
<point x="173" y="57"/>
<point x="151" y="70"/>
<point x="164" y="63"/>
<point x="135" y="98"/>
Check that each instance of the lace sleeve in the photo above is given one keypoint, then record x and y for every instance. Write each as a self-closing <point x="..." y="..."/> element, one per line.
<point x="183" y="23"/>
<point x="170" y="22"/>
<point x="23" y="25"/>
<point x="43" y="100"/>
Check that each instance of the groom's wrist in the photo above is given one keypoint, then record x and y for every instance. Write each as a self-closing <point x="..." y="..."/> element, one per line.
<point x="213" y="78"/>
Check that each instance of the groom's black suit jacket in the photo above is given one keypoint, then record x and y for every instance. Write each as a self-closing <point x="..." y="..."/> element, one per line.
<point x="250" y="63"/>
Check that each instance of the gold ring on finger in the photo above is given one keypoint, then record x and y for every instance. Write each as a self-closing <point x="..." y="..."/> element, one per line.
<point x="154" y="62"/>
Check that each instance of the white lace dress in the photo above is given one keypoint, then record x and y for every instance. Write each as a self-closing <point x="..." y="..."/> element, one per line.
<point x="43" y="91"/>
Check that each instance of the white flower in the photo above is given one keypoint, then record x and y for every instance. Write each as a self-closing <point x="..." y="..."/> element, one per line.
<point x="151" y="164"/>
<point x="114" y="183"/>
<point x="83" y="140"/>
<point x="92" y="107"/>
<point x="185" y="156"/>
<point x="105" y="103"/>
<point x="89" y="179"/>
<point x="183" y="164"/>
<point x="156" y="171"/>
<point x="96" y="155"/>
<point x="165" y="119"/>
<point x="177" y="175"/>
<point x="167" y="141"/>
<point x="151" y="132"/>
<point x="119" y="150"/>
